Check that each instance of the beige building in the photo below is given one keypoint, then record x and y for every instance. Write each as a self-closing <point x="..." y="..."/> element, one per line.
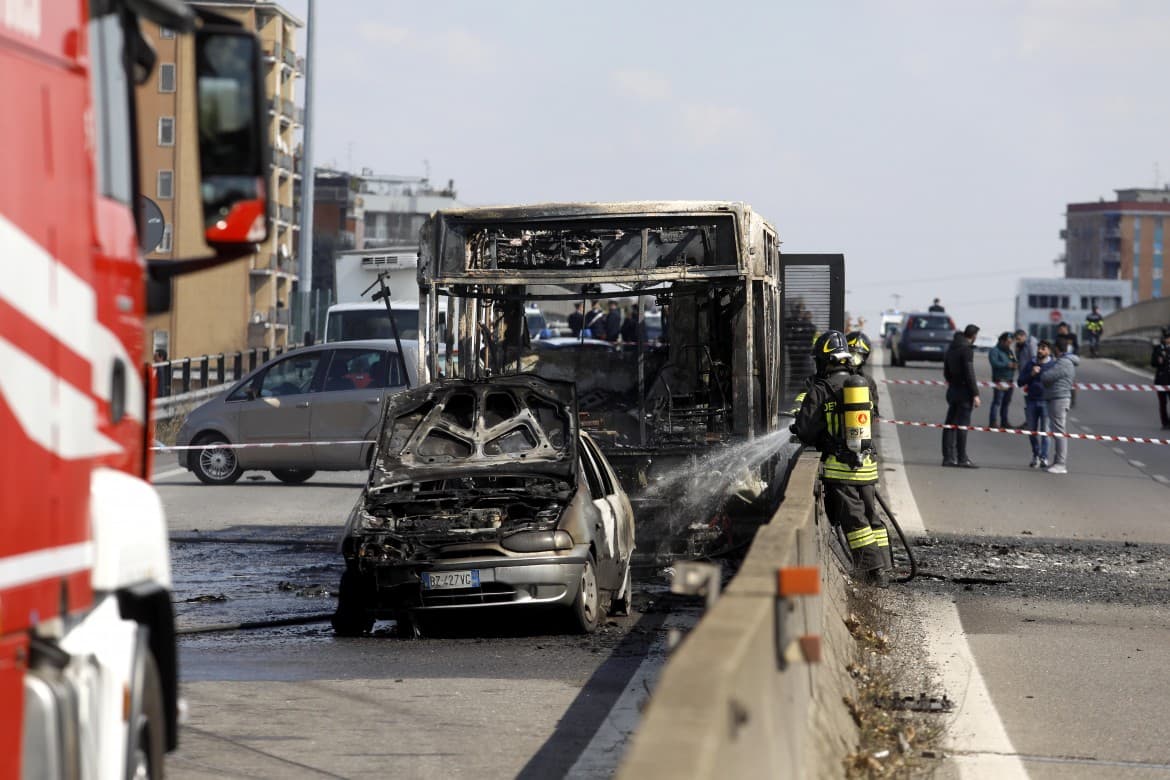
<point x="1120" y="239"/>
<point x="247" y="303"/>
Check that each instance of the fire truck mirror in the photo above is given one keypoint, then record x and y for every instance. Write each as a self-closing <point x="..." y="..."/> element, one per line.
<point x="233" y="153"/>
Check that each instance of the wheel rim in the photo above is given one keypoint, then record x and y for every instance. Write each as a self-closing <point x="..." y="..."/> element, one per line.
<point x="217" y="463"/>
<point x="588" y="593"/>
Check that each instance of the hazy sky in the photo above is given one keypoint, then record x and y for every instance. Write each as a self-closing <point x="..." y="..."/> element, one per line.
<point x="934" y="143"/>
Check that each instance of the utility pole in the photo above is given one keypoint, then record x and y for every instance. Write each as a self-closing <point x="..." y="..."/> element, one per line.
<point x="307" y="176"/>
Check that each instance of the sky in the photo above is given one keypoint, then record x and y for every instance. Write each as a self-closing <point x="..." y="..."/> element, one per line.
<point x="935" y="144"/>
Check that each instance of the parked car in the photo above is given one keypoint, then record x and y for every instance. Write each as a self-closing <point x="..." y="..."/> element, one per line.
<point x="486" y="494"/>
<point x="923" y="336"/>
<point x="572" y="343"/>
<point x="324" y="393"/>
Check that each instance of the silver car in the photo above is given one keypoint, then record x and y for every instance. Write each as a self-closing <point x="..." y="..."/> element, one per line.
<point x="303" y="401"/>
<point x="485" y="494"/>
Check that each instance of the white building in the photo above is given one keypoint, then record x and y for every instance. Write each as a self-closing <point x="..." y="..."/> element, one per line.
<point x="1042" y="304"/>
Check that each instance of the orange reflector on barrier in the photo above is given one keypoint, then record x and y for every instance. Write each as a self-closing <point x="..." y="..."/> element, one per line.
<point x="798" y="581"/>
<point x="810" y="648"/>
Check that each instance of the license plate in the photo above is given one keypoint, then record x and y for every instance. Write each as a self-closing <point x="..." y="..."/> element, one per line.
<point x="444" y="580"/>
<point x="931" y="348"/>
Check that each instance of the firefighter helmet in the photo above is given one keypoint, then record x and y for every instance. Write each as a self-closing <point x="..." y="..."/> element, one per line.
<point x="831" y="349"/>
<point x="860" y="346"/>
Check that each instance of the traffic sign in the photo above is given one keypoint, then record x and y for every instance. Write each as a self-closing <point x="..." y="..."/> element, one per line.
<point x="1055" y="316"/>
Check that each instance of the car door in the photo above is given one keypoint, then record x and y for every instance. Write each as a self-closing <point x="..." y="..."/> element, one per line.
<point x="605" y="531"/>
<point x="623" y="516"/>
<point x="278" y="412"/>
<point x="349" y="406"/>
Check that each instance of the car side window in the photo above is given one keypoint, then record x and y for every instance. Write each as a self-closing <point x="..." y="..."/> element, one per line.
<point x="595" y="489"/>
<point x="361" y="369"/>
<point x="603" y="472"/>
<point x="291" y="376"/>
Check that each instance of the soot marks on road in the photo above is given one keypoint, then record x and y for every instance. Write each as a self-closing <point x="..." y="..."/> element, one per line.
<point x="1128" y="573"/>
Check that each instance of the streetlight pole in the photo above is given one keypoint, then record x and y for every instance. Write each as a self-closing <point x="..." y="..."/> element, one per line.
<point x="306" y="245"/>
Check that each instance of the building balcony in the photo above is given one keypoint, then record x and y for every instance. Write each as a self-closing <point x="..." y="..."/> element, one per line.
<point x="284" y="213"/>
<point x="287" y="107"/>
<point x="282" y="160"/>
<point x="289" y="58"/>
<point x="1112" y="233"/>
<point x="271" y="51"/>
<point x="300" y="64"/>
<point x="271" y="264"/>
<point x="273" y="316"/>
<point x="299" y="116"/>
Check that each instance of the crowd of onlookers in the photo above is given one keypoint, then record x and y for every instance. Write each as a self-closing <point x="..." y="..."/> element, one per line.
<point x="610" y="324"/>
<point x="1046" y="373"/>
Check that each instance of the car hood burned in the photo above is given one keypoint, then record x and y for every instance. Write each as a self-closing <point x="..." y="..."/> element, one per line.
<point x="457" y="428"/>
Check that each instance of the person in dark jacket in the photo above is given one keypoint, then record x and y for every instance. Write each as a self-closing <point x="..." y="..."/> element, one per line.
<point x="594" y="324"/>
<point x="632" y="330"/>
<point x="1003" y="371"/>
<point x="1035" y="407"/>
<point x="576" y="320"/>
<point x="613" y="322"/>
<point x="1160" y="362"/>
<point x="962" y="396"/>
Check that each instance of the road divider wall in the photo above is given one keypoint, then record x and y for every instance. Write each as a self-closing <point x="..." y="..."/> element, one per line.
<point x="724" y="707"/>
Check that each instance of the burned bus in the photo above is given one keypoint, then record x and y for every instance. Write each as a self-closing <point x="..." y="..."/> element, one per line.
<point x="701" y="401"/>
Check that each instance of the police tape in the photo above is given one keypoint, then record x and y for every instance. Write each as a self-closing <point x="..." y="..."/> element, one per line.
<point x="223" y="445"/>
<point x="1076" y="385"/>
<point x="1026" y="432"/>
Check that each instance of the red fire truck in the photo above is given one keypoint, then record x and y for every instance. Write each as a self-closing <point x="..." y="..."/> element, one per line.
<point x="88" y="670"/>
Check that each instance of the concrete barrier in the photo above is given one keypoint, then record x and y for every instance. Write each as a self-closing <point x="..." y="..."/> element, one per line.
<point x="723" y="707"/>
<point x="1143" y="320"/>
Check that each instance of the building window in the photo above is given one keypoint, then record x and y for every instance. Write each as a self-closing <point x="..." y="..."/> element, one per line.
<point x="166" y="77"/>
<point x="165" y="245"/>
<point x="166" y="185"/>
<point x="1064" y="301"/>
<point x="166" y="131"/>
<point x="165" y="32"/>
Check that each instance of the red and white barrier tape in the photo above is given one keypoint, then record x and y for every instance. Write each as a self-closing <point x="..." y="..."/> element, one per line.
<point x="1024" y="432"/>
<point x="261" y="445"/>
<point x="1006" y="385"/>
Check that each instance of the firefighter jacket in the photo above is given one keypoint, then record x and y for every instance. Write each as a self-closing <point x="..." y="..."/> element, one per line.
<point x="819" y="424"/>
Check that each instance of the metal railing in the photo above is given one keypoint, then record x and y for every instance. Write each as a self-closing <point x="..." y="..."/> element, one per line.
<point x="284" y="213"/>
<point x="287" y="106"/>
<point x="289" y="57"/>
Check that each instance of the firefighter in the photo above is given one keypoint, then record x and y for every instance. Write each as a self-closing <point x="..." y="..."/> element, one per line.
<point x="860" y="347"/>
<point x="849" y="469"/>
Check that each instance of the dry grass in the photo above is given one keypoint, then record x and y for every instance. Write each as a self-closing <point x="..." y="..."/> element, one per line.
<point x="894" y="742"/>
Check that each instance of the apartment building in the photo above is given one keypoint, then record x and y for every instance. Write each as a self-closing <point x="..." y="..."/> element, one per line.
<point x="1042" y="304"/>
<point x="247" y="303"/>
<point x="368" y="211"/>
<point x="1120" y="239"/>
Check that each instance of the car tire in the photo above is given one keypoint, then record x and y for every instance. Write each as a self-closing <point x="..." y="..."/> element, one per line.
<point x="587" y="605"/>
<point x="215" y="466"/>
<point x="293" y="476"/>
<point x="352" y="617"/>
<point x="149" y="738"/>
<point x="620" y="605"/>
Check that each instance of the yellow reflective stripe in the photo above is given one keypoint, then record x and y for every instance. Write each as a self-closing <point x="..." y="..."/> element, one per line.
<point x="881" y="537"/>
<point x="862" y="538"/>
<point x="835" y="469"/>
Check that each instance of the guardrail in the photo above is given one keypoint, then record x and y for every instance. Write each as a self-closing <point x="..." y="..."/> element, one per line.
<point x="737" y="700"/>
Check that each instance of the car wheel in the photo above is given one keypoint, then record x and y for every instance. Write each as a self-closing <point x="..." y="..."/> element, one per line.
<point x="352" y="618"/>
<point x="216" y="466"/>
<point x="620" y="605"/>
<point x="149" y="736"/>
<point x="293" y="476"/>
<point x="587" y="605"/>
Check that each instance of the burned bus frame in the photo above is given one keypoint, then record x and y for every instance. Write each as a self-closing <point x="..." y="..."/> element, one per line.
<point x="717" y="265"/>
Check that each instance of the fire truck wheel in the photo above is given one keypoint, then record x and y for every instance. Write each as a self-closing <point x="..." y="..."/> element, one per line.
<point x="149" y="731"/>
<point x="587" y="606"/>
<point x="216" y="466"/>
<point x="293" y="476"/>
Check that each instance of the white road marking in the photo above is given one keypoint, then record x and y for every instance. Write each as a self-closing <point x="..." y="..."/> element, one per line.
<point x="601" y="756"/>
<point x="1163" y="480"/>
<point x="1073" y="419"/>
<point x="1119" y="451"/>
<point x="1137" y="464"/>
<point x="1147" y="375"/>
<point x="168" y="474"/>
<point x="1085" y="428"/>
<point x="977" y="735"/>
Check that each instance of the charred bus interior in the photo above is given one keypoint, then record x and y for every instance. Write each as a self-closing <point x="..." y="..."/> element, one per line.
<point x="690" y="419"/>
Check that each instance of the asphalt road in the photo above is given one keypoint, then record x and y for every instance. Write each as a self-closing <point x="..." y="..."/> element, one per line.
<point x="489" y="697"/>
<point x="1071" y="631"/>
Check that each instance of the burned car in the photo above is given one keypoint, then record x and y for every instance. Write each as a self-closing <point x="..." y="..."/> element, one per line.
<point x="485" y="493"/>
